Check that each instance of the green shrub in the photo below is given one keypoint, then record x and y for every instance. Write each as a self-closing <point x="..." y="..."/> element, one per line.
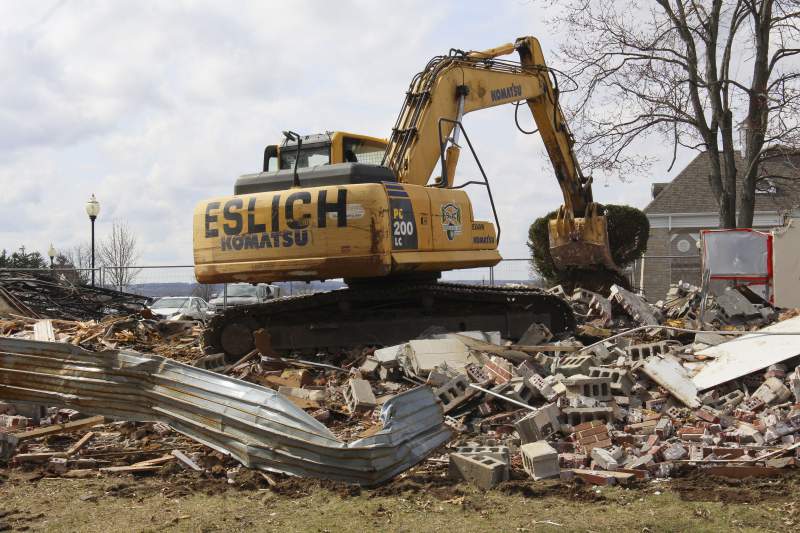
<point x="628" y="229"/>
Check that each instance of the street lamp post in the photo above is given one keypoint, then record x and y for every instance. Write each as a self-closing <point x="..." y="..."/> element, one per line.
<point x="92" y="209"/>
<point x="51" y="252"/>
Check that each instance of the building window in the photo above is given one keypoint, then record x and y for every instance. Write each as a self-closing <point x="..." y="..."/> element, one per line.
<point x="766" y="186"/>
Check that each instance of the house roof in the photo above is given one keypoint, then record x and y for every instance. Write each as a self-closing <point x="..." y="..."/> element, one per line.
<point x="690" y="191"/>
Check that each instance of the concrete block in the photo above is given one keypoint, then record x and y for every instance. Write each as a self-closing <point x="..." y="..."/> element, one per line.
<point x="597" y="388"/>
<point x="674" y="452"/>
<point x="388" y="356"/>
<point x="621" y="382"/>
<point x="314" y="395"/>
<point x="358" y="396"/>
<point x="484" y="472"/>
<point x="455" y="392"/>
<point x="424" y="355"/>
<point x="575" y="364"/>
<point x="540" y="460"/>
<point x="640" y="352"/>
<point x="669" y="373"/>
<point x="523" y="389"/>
<point x="638" y="309"/>
<point x="578" y="415"/>
<point x="540" y="424"/>
<point x="369" y="368"/>
<point x="542" y="388"/>
<point x="501" y="453"/>
<point x="57" y="465"/>
<point x="772" y="391"/>
<point x="604" y="459"/>
<point x="727" y="403"/>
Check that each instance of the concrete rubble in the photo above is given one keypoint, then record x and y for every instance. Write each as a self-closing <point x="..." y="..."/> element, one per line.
<point x="639" y="391"/>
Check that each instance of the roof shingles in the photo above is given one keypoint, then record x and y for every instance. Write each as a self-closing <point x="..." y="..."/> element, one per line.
<point x="690" y="191"/>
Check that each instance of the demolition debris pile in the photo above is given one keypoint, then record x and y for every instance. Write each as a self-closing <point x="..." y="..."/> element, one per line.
<point x="51" y="294"/>
<point x="639" y="391"/>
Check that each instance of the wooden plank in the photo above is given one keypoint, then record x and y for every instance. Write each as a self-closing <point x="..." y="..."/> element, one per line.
<point x="130" y="469"/>
<point x="155" y="462"/>
<point x="183" y="458"/>
<point x="41" y="457"/>
<point x="60" y="428"/>
<point x="75" y="448"/>
<point x="43" y="331"/>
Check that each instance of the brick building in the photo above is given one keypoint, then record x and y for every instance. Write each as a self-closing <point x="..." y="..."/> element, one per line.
<point x="681" y="208"/>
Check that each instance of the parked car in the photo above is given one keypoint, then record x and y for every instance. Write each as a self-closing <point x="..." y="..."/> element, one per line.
<point x="182" y="308"/>
<point x="245" y="294"/>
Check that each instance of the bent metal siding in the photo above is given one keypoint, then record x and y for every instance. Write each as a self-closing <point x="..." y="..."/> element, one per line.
<point x="255" y="425"/>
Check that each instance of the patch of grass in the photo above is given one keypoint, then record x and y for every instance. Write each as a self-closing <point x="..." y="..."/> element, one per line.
<point x="147" y="505"/>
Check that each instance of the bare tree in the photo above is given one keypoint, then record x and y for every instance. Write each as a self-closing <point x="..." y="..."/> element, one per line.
<point x="80" y="258"/>
<point x="118" y="253"/>
<point x="701" y="74"/>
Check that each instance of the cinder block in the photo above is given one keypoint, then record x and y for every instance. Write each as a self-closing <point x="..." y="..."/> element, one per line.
<point x="597" y="388"/>
<point x="542" y="388"/>
<point x="454" y="393"/>
<point x="674" y="451"/>
<point x="578" y="415"/>
<point x="358" y="396"/>
<point x="484" y="472"/>
<point x="604" y="459"/>
<point x="727" y="403"/>
<point x="540" y="460"/>
<point x="501" y="453"/>
<point x="575" y="364"/>
<point x="57" y="465"/>
<point x="369" y="368"/>
<point x="621" y="382"/>
<point x="540" y="424"/>
<point x="772" y="391"/>
<point x="640" y="352"/>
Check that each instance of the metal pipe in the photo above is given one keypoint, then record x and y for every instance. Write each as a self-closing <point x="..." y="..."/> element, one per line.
<point x="510" y="400"/>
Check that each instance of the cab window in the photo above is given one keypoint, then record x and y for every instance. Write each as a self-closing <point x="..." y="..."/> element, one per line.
<point x="309" y="156"/>
<point x="362" y="151"/>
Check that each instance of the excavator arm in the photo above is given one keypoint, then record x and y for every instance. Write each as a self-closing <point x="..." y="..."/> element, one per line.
<point x="460" y="83"/>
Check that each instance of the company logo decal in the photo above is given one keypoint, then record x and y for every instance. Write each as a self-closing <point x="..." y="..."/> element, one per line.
<point x="451" y="219"/>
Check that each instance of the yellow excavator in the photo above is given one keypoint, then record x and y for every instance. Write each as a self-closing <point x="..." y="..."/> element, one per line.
<point x="370" y="211"/>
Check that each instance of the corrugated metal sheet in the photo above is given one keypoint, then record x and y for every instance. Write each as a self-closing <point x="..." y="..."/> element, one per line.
<point x="256" y="425"/>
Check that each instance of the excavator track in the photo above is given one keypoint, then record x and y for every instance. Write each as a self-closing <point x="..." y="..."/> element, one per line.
<point x="381" y="315"/>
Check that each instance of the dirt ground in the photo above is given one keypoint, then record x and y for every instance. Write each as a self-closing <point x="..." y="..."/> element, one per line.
<point x="417" y="502"/>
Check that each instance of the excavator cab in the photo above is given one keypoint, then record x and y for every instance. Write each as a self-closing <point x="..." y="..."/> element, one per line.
<point x="323" y="149"/>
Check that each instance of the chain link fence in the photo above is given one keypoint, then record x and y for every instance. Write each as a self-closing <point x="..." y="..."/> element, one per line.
<point x="178" y="280"/>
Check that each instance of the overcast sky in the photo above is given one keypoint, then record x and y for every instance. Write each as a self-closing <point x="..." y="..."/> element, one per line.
<point x="154" y="106"/>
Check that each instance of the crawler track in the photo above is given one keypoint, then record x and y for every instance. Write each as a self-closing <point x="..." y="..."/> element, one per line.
<point x="383" y="314"/>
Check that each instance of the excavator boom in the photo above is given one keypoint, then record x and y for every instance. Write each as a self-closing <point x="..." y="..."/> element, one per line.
<point x="452" y="86"/>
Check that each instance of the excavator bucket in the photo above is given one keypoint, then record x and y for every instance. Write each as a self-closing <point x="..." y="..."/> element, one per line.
<point x="580" y="242"/>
